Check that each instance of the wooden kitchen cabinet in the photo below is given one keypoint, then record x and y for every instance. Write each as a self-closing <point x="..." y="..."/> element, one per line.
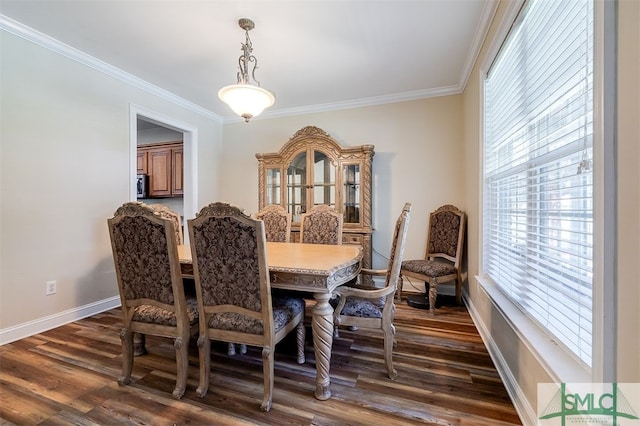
<point x="177" y="180"/>
<point x="164" y="167"/>
<point x="143" y="155"/>
<point x="310" y="169"/>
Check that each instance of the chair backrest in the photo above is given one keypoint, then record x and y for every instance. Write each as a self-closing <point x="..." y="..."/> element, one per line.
<point x="321" y="225"/>
<point x="228" y="249"/>
<point x="446" y="234"/>
<point x="145" y="254"/>
<point x="397" y="247"/>
<point x="277" y="223"/>
<point x="166" y="212"/>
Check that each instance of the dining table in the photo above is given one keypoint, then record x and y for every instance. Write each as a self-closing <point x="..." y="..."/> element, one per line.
<point x="307" y="268"/>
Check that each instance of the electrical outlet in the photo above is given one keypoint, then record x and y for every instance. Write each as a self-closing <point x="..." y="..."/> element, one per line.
<point x="50" y="287"/>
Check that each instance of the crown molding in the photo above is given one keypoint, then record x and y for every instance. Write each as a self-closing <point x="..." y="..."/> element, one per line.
<point x="355" y="103"/>
<point x="18" y="29"/>
<point x="482" y="30"/>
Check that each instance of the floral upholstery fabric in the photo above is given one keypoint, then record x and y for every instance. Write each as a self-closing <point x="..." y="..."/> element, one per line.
<point x="284" y="309"/>
<point x="430" y="268"/>
<point x="361" y="307"/>
<point x="167" y="213"/>
<point x="227" y="253"/>
<point x="142" y="258"/>
<point x="156" y="315"/>
<point x="444" y="229"/>
<point x="321" y="226"/>
<point x="277" y="224"/>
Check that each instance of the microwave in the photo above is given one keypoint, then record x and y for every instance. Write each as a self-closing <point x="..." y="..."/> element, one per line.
<point x="142" y="183"/>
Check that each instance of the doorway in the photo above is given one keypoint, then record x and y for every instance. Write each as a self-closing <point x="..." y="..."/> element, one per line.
<point x="148" y="126"/>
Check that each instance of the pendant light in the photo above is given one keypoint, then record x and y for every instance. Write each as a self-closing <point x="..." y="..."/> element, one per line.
<point x="245" y="98"/>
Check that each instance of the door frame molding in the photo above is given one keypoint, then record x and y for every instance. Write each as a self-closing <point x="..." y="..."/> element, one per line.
<point x="190" y="132"/>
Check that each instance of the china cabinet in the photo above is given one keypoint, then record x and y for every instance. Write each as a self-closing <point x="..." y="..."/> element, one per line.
<point x="310" y="169"/>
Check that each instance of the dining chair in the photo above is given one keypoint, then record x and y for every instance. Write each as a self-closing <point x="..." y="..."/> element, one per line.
<point x="168" y="213"/>
<point x="277" y="223"/>
<point x="277" y="227"/>
<point x="373" y="307"/>
<point x="153" y="301"/>
<point x="228" y="249"/>
<point x="441" y="263"/>
<point x="321" y="225"/>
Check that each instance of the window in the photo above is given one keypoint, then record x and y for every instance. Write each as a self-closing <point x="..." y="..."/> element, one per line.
<point x="537" y="160"/>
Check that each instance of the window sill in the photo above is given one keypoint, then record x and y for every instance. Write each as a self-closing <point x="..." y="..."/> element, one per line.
<point x="559" y="364"/>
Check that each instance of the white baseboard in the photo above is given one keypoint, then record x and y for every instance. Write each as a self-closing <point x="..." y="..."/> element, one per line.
<point x="20" y="331"/>
<point x="524" y="409"/>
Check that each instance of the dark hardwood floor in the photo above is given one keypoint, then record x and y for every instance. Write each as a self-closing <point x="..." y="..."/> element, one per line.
<point x="67" y="376"/>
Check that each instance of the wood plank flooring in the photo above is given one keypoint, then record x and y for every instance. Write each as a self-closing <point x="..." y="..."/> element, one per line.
<point x="67" y="376"/>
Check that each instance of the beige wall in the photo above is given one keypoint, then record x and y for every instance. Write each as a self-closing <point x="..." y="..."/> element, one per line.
<point x="417" y="159"/>
<point x="520" y="362"/>
<point x="65" y="164"/>
<point x="628" y="178"/>
<point x="65" y="168"/>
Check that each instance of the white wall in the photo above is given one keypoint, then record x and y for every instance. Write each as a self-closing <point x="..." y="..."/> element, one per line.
<point x="65" y="168"/>
<point x="418" y="158"/>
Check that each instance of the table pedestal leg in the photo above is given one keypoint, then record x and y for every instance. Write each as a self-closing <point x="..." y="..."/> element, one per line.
<point x="322" y="326"/>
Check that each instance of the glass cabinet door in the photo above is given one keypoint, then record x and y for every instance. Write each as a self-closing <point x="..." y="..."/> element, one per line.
<point x="351" y="194"/>
<point x="297" y="187"/>
<point x="272" y="186"/>
<point x="324" y="180"/>
<point x="311" y="180"/>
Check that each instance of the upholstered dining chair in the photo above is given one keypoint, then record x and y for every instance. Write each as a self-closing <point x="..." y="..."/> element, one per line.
<point x="321" y="225"/>
<point x="228" y="249"/>
<point x="166" y="212"/>
<point x="277" y="223"/>
<point x="441" y="264"/>
<point x="374" y="307"/>
<point x="153" y="301"/>
<point x="277" y="227"/>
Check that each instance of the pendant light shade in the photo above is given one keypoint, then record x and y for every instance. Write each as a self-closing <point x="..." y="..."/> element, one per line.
<point x="245" y="98"/>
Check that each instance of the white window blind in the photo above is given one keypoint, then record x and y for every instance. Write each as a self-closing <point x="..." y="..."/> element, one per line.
<point x="538" y="184"/>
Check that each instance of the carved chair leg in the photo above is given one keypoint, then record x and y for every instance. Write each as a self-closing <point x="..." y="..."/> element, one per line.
<point x="139" y="342"/>
<point x="433" y="292"/>
<point x="182" y="362"/>
<point x="231" y="349"/>
<point x="126" y="336"/>
<point x="300" y="336"/>
<point x="389" y="337"/>
<point x="267" y="373"/>
<point x="204" y="351"/>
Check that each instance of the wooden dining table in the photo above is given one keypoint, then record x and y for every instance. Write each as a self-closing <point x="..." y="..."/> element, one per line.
<point x="307" y="268"/>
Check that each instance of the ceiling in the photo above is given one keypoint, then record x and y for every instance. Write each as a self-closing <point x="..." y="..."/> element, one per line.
<point x="314" y="55"/>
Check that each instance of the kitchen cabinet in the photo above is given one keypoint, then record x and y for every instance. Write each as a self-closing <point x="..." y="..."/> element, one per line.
<point x="143" y="156"/>
<point x="164" y="165"/>
<point x="310" y="169"/>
